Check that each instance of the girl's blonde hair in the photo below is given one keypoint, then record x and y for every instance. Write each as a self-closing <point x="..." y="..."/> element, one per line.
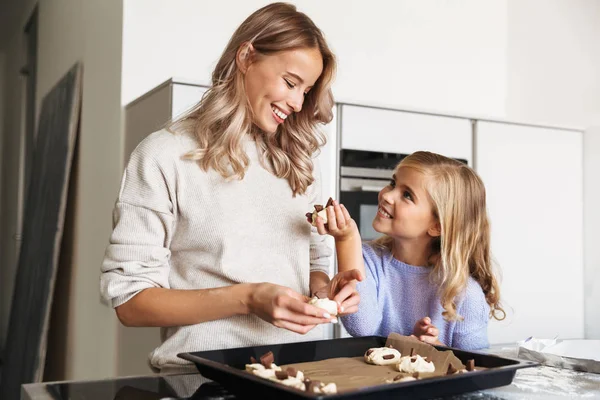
<point x="457" y="194"/>
<point x="223" y="117"/>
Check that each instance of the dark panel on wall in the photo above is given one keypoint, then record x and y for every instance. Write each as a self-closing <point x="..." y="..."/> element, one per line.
<point x="42" y="233"/>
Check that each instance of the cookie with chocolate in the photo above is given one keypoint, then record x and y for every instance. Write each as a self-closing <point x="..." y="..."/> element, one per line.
<point x="319" y="211"/>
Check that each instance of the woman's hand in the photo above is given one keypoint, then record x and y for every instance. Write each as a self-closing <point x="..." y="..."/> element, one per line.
<point x="426" y="332"/>
<point x="339" y="223"/>
<point x="285" y="308"/>
<point x="342" y="290"/>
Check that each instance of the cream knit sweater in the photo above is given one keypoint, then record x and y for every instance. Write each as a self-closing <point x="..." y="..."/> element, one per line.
<point x="176" y="226"/>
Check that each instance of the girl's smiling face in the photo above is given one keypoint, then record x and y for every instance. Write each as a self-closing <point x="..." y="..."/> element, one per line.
<point x="405" y="209"/>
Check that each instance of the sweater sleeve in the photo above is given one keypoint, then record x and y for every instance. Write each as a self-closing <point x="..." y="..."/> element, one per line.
<point x="320" y="252"/>
<point x="471" y="333"/>
<point x="367" y="320"/>
<point x="137" y="256"/>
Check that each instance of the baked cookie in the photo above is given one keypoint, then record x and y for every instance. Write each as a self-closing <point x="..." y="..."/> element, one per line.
<point x="382" y="356"/>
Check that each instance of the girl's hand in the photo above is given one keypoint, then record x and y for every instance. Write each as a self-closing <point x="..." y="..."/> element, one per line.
<point x="342" y="290"/>
<point x="339" y="223"/>
<point x="284" y="308"/>
<point x="426" y="332"/>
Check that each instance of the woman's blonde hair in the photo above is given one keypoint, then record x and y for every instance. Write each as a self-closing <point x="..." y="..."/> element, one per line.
<point x="223" y="117"/>
<point x="457" y="194"/>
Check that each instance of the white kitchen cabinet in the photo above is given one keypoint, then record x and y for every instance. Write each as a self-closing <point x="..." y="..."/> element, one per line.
<point x="393" y="131"/>
<point x="153" y="110"/>
<point x="534" y="182"/>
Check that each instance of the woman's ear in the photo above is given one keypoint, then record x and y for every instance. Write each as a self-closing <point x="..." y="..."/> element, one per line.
<point x="243" y="57"/>
<point x="435" y="230"/>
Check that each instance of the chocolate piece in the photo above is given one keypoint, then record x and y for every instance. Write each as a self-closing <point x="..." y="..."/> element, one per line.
<point x="267" y="359"/>
<point x="281" y="375"/>
<point x="415" y="375"/>
<point x="388" y="356"/>
<point x="308" y="215"/>
<point x="412" y="351"/>
<point x="292" y="372"/>
<point x="471" y="365"/>
<point x="413" y="359"/>
<point x="369" y="352"/>
<point x="451" y="370"/>
<point x="253" y="360"/>
<point x="318" y="207"/>
<point x="329" y="202"/>
<point x="398" y="377"/>
<point x="306" y="381"/>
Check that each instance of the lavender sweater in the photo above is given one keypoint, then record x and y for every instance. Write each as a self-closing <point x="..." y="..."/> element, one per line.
<point x="395" y="295"/>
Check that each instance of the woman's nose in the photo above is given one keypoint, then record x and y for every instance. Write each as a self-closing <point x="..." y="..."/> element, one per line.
<point x="295" y="100"/>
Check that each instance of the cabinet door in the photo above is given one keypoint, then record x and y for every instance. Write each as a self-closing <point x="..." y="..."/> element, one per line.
<point x="391" y="131"/>
<point x="534" y="183"/>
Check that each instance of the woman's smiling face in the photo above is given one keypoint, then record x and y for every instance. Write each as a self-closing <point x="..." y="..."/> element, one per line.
<point x="276" y="84"/>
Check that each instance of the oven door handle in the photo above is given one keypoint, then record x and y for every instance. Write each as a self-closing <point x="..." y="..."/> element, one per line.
<point x="362" y="184"/>
<point x="366" y="188"/>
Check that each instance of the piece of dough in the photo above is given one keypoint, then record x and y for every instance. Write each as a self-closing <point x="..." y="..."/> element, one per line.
<point x="265" y="373"/>
<point x="411" y="364"/>
<point x="260" y="370"/>
<point x="320" y="387"/>
<point x="382" y="356"/>
<point x="255" y="367"/>
<point x="319" y="211"/>
<point x="293" y="382"/>
<point x="322" y="214"/>
<point x="328" y="305"/>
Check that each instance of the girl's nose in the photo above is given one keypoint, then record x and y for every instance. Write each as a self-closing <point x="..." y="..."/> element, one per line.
<point x="386" y="196"/>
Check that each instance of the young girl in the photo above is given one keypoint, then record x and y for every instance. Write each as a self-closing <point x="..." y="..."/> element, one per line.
<point x="430" y="275"/>
<point x="209" y="240"/>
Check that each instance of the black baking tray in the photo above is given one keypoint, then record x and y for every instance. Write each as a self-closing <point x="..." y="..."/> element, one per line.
<point x="228" y="368"/>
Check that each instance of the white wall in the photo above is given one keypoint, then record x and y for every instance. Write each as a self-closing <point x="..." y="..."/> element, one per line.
<point x="523" y="60"/>
<point x="553" y="62"/>
<point x="445" y="56"/>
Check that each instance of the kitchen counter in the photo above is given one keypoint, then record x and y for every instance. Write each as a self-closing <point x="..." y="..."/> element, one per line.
<point x="541" y="382"/>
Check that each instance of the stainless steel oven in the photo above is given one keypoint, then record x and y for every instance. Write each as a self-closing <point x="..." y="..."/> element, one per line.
<point x="362" y="175"/>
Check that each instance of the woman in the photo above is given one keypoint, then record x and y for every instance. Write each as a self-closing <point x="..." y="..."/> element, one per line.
<point x="209" y="238"/>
